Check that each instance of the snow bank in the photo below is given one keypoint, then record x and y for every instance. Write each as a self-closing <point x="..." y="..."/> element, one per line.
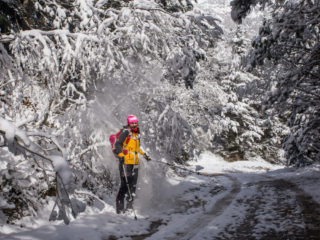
<point x="213" y="163"/>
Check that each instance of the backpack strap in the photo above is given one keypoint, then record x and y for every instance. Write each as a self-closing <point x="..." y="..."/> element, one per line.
<point x="127" y="141"/>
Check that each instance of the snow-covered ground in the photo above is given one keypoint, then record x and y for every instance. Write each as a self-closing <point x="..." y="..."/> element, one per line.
<point x="198" y="206"/>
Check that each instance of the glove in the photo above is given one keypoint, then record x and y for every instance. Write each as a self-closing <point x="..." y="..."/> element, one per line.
<point x="147" y="157"/>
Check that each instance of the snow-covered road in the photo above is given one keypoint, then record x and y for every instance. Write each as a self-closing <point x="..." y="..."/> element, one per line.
<point x="255" y="201"/>
<point x="236" y="200"/>
<point x="270" y="208"/>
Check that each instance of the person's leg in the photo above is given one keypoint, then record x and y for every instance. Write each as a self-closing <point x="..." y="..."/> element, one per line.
<point x="122" y="191"/>
<point x="130" y="177"/>
<point x="120" y="196"/>
<point x="134" y="180"/>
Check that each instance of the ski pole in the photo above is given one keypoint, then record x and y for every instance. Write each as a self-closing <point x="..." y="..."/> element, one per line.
<point x="185" y="169"/>
<point x="129" y="191"/>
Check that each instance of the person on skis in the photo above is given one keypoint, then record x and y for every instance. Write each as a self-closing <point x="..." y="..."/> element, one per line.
<point x="127" y="148"/>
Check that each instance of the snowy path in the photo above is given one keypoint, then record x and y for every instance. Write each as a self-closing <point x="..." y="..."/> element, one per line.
<point x="239" y="200"/>
<point x="215" y="211"/>
<point x="252" y="204"/>
<point x="269" y="208"/>
<point x="278" y="209"/>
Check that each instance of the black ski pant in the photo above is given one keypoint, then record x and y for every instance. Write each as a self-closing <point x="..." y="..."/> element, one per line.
<point x="132" y="177"/>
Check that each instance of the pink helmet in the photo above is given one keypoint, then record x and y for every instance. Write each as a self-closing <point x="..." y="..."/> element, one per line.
<point x="132" y="119"/>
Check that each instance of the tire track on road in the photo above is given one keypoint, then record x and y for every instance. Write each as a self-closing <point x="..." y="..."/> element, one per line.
<point x="218" y="208"/>
<point x="280" y="203"/>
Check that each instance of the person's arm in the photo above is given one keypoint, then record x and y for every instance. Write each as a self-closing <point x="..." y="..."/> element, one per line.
<point x="119" y="143"/>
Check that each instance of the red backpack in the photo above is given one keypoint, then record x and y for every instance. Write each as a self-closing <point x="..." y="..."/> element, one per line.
<point x="113" y="138"/>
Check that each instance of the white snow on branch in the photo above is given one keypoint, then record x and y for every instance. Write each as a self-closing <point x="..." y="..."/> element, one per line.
<point x="10" y="131"/>
<point x="62" y="168"/>
<point x="12" y="134"/>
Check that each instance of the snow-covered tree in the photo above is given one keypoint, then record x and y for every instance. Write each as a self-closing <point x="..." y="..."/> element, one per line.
<point x="289" y="44"/>
<point x="35" y="167"/>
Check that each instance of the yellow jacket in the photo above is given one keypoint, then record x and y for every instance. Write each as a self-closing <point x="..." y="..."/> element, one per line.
<point x="129" y="149"/>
